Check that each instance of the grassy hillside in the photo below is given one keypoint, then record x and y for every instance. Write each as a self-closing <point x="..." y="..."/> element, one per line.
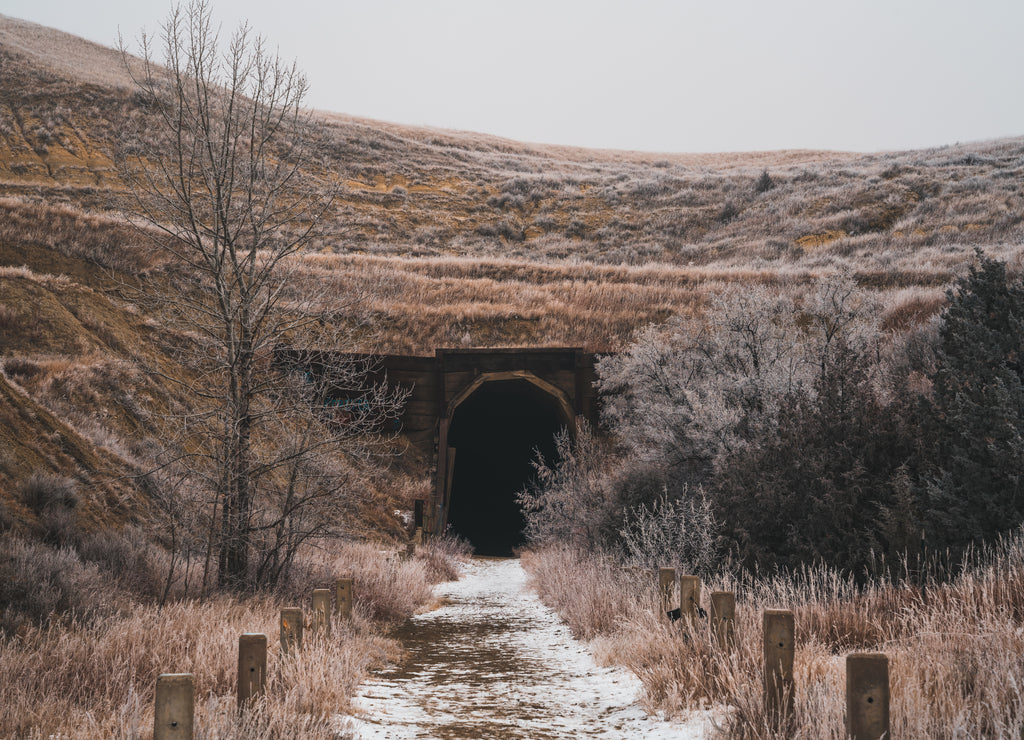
<point x="448" y="239"/>
<point x="423" y="192"/>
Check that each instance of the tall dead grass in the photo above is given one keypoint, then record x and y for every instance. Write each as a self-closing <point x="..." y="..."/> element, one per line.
<point x="96" y="679"/>
<point x="956" y="650"/>
<point x="593" y="291"/>
<point x="66" y="231"/>
<point x="89" y="668"/>
<point x="428" y="302"/>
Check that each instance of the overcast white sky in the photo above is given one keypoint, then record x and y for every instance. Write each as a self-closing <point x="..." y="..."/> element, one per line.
<point x="656" y="75"/>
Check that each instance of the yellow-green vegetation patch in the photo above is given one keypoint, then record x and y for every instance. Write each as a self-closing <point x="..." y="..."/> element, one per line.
<point x="812" y="241"/>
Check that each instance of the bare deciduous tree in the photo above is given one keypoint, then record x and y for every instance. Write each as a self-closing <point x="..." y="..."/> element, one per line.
<point x="222" y="173"/>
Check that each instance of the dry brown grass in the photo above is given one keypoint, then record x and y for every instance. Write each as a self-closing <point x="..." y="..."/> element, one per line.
<point x="419" y="304"/>
<point x="90" y="669"/>
<point x="956" y="650"/>
<point x="64" y="240"/>
<point x="425" y="192"/>
<point x="458" y="239"/>
<point x="96" y="680"/>
<point x="65" y="54"/>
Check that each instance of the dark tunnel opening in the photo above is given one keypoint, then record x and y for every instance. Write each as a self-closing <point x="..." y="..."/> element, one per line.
<point x="495" y="433"/>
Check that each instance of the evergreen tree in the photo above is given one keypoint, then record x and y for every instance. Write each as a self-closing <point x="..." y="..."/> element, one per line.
<point x="975" y="488"/>
<point x="812" y="490"/>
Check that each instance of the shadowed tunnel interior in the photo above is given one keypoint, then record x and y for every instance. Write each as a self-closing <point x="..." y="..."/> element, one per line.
<point x="495" y="432"/>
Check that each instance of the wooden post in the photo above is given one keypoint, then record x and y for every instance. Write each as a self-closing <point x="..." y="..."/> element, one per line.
<point x="867" y="696"/>
<point x="779" y="650"/>
<point x="322" y="611"/>
<point x="343" y="593"/>
<point x="417" y="518"/>
<point x="252" y="666"/>
<point x="174" y="711"/>
<point x="723" y="618"/>
<point x="418" y="537"/>
<point x="410" y="549"/>
<point x="689" y="596"/>
<point x="291" y="630"/>
<point x="666" y="588"/>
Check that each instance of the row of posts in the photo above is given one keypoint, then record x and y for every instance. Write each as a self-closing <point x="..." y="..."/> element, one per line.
<point x="174" y="709"/>
<point x="867" y="674"/>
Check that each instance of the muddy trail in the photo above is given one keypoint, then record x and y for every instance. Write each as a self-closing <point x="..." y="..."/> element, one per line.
<point x="494" y="662"/>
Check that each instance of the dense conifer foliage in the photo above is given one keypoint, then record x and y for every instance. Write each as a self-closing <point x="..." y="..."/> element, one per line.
<point x="808" y="490"/>
<point x="976" y="416"/>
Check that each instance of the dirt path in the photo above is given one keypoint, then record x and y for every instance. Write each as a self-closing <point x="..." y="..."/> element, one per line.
<point x="496" y="663"/>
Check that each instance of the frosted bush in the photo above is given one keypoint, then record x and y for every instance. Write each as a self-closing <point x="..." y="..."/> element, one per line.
<point x="689" y="391"/>
<point x="572" y="500"/>
<point x="680" y="533"/>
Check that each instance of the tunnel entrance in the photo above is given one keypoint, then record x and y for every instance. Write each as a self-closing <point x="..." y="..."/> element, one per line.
<point x="495" y="432"/>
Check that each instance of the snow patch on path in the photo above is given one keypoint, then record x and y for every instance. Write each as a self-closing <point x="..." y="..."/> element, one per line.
<point x="494" y="662"/>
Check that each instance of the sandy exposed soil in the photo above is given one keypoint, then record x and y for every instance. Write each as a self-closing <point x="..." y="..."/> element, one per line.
<point x="494" y="662"/>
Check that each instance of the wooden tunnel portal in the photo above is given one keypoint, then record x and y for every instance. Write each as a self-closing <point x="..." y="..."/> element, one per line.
<point x="480" y="415"/>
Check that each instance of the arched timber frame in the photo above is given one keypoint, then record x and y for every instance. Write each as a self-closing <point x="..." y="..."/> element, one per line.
<point x="446" y="454"/>
<point x="564" y="403"/>
<point x="566" y="374"/>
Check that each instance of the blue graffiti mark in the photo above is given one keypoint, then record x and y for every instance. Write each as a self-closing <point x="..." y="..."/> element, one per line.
<point x="348" y="404"/>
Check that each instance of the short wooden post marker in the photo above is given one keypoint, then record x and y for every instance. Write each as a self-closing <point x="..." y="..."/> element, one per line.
<point x="689" y="596"/>
<point x="779" y="650"/>
<point x="867" y="696"/>
<point x="252" y="666"/>
<point x="174" y="709"/>
<point x="410" y="549"/>
<point x="723" y="618"/>
<point x="418" y="537"/>
<point x="666" y="587"/>
<point x="291" y="630"/>
<point x="322" y="611"/>
<point x="343" y="593"/>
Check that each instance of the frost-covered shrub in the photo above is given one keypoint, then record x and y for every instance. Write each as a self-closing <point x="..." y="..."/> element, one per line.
<point x="680" y="532"/>
<point x="572" y="499"/>
<point x="6" y="518"/>
<point x="764" y="183"/>
<point x="687" y="392"/>
<point x="37" y="581"/>
<point x="54" y="499"/>
<point x="441" y="556"/>
<point x="777" y="407"/>
<point x="137" y="563"/>
<point x="42" y="491"/>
